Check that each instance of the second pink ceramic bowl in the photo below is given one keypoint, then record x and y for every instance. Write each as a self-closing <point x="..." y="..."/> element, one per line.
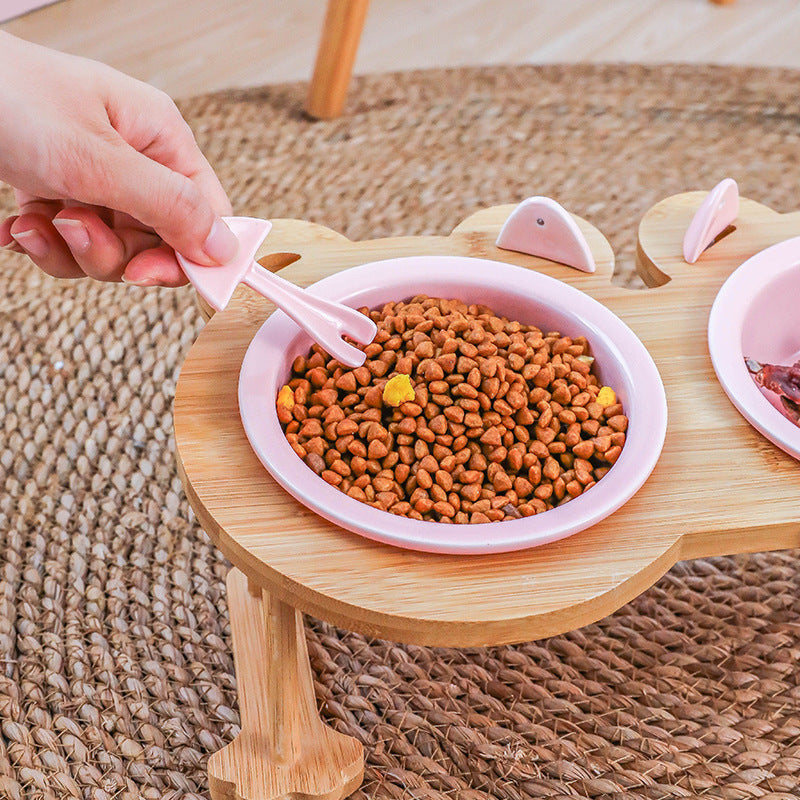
<point x="622" y="362"/>
<point x="755" y="316"/>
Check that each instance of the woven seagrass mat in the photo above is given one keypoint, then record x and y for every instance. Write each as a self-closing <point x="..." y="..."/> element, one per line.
<point x="116" y="675"/>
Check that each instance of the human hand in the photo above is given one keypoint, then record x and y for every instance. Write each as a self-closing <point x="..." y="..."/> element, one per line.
<point x="107" y="175"/>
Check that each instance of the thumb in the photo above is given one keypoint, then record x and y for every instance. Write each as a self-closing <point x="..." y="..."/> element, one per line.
<point x="167" y="201"/>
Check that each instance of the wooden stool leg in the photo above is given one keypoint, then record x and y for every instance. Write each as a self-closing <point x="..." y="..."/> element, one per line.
<point x="284" y="749"/>
<point x="341" y="33"/>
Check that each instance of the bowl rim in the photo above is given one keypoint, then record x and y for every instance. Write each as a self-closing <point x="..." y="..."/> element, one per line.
<point x="267" y="353"/>
<point x="725" y="323"/>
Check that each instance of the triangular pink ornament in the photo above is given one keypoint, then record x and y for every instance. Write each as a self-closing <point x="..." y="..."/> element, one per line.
<point x="539" y="226"/>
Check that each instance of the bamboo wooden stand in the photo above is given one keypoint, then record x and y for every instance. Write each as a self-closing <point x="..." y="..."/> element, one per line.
<point x="719" y="488"/>
<point x="284" y="749"/>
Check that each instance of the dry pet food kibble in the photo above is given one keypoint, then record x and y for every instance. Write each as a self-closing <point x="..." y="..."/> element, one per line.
<point x="457" y="415"/>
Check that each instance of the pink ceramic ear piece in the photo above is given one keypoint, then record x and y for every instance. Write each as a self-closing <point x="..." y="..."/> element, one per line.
<point x="323" y="320"/>
<point x="719" y="210"/>
<point x="541" y="227"/>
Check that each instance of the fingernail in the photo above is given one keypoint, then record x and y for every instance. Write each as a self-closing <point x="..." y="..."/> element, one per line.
<point x="221" y="244"/>
<point x="74" y="233"/>
<point x="32" y="242"/>
<point x="139" y="282"/>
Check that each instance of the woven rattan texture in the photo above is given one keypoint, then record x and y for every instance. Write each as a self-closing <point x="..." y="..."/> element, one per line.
<point x="116" y="677"/>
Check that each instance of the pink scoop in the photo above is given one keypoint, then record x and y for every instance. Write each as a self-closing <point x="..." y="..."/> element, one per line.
<point x="325" y="321"/>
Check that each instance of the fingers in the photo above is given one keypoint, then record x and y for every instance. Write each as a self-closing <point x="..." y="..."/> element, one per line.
<point x="156" y="267"/>
<point x="146" y="166"/>
<point x="76" y="242"/>
<point x="37" y="237"/>
<point x="7" y="241"/>
<point x="33" y="235"/>
<point x="163" y="199"/>
<point x="102" y="253"/>
<point x="163" y="135"/>
<point x="175" y="147"/>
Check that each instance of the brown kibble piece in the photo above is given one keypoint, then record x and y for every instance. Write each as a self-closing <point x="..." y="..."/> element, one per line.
<point x="346" y="427"/>
<point x="511" y="511"/>
<point x="423" y="504"/>
<point x="317" y="376"/>
<point x="523" y="487"/>
<point x="377" y="450"/>
<point x="316" y="462"/>
<point x="331" y="477"/>
<point x="492" y="437"/>
<point x="444" y="508"/>
<point x="374" y="397"/>
<point x="357" y="493"/>
<point x="574" y="488"/>
<point x="433" y="372"/>
<point x="618" y="422"/>
<point x="447" y="362"/>
<point x="551" y="468"/>
<point x="602" y="443"/>
<point x="424" y="479"/>
<point x="346" y="382"/>
<point x="471" y="492"/>
<point x="584" y="449"/>
<point x="340" y="467"/>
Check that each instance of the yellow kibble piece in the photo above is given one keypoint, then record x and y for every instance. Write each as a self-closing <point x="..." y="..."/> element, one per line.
<point x="398" y="390"/>
<point x="286" y="398"/>
<point x="606" y="396"/>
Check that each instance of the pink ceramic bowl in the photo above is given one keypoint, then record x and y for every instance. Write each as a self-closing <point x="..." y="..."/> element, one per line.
<point x="755" y="316"/>
<point x="621" y="359"/>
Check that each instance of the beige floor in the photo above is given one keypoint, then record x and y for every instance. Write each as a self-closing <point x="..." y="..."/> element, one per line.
<point x="190" y="46"/>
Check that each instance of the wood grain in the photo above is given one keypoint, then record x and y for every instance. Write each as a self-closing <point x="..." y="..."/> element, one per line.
<point x="719" y="486"/>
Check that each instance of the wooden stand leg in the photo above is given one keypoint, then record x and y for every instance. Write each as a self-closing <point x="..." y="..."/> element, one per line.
<point x="284" y="749"/>
<point x="341" y="33"/>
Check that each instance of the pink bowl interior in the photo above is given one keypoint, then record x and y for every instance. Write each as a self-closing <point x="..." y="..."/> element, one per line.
<point x="771" y="324"/>
<point x="622" y="362"/>
<point x="755" y="316"/>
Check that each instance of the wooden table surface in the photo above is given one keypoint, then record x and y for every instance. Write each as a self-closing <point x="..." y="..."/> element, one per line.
<point x="718" y="488"/>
